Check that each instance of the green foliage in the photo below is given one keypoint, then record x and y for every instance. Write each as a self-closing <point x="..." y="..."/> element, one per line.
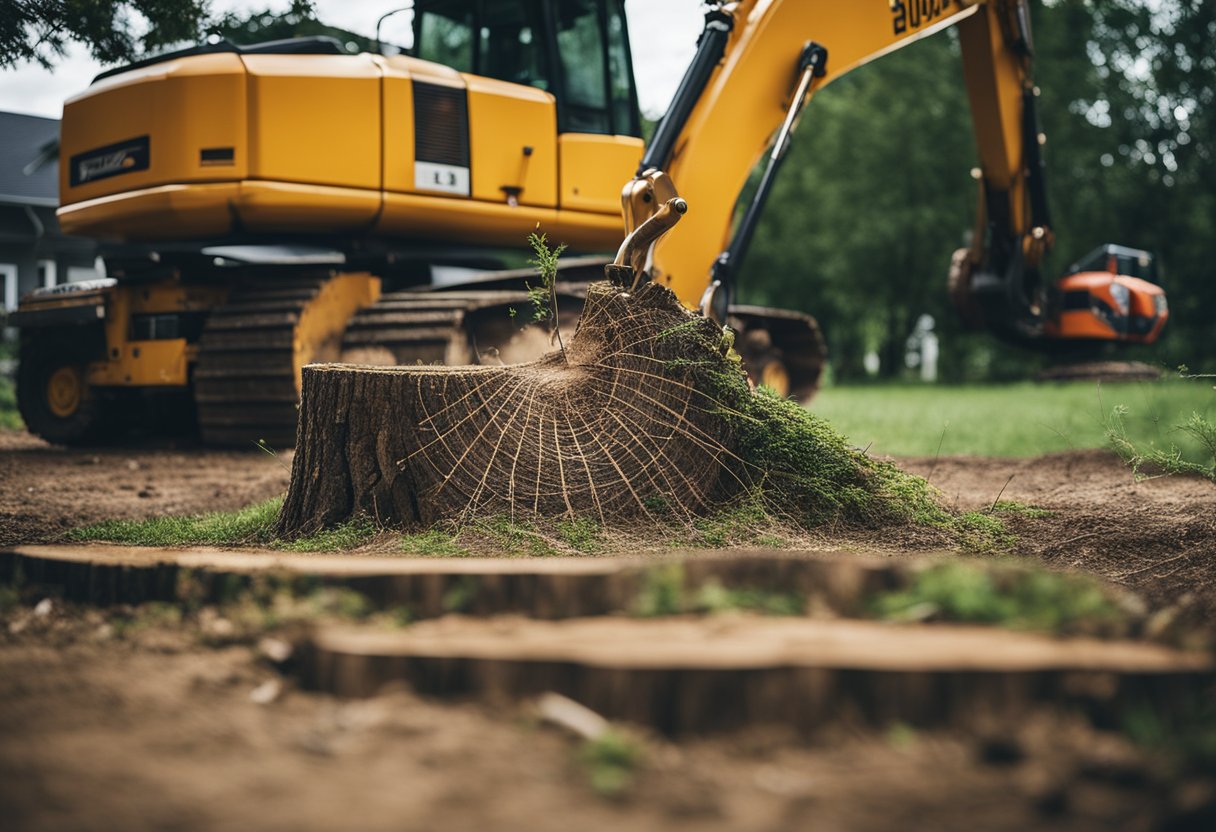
<point x="1028" y="598"/>
<point x="298" y="20"/>
<point x="664" y="592"/>
<point x="251" y="525"/>
<point x="544" y="296"/>
<point x="1016" y="509"/>
<point x="10" y="419"/>
<point x="876" y="192"/>
<point x="1168" y="460"/>
<point x="611" y="761"/>
<point x="712" y="597"/>
<point x="41" y="30"/>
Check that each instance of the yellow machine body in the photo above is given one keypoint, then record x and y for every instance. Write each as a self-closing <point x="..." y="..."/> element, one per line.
<point x="210" y="145"/>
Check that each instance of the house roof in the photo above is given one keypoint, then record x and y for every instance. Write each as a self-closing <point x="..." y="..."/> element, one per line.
<point x="29" y="152"/>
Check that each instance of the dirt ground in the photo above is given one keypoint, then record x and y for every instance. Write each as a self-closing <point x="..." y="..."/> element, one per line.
<point x="153" y="730"/>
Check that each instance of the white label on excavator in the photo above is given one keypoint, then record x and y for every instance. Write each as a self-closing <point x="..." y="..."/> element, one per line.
<point x="446" y="179"/>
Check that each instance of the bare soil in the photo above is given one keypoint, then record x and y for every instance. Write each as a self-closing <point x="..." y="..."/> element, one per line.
<point x="46" y="490"/>
<point x="152" y="729"/>
<point x="1155" y="536"/>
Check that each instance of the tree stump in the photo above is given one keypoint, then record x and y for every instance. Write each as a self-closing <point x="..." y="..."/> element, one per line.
<point x="618" y="424"/>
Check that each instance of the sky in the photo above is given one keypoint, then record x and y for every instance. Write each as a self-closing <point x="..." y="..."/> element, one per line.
<point x="663" y="36"/>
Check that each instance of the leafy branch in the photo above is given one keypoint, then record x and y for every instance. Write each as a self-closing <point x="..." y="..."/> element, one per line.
<point x="544" y="296"/>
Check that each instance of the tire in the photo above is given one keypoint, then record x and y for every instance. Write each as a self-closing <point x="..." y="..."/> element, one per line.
<point x="53" y="397"/>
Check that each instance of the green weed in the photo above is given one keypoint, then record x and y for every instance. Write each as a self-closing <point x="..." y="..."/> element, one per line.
<point x="1016" y="509"/>
<point x="1169" y="459"/>
<point x="611" y="762"/>
<point x="1008" y="596"/>
<point x="544" y="296"/>
<point x="664" y="592"/>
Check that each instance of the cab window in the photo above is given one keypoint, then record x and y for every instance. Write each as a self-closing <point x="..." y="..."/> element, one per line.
<point x="576" y="49"/>
<point x="444" y="34"/>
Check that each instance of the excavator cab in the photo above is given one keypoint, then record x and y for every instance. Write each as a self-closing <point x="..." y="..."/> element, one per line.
<point x="578" y="50"/>
<point x="1111" y="294"/>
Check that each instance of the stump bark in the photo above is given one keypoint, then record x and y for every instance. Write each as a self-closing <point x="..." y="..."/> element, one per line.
<point x="617" y="425"/>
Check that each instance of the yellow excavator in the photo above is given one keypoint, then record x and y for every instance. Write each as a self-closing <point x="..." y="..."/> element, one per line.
<point x="266" y="206"/>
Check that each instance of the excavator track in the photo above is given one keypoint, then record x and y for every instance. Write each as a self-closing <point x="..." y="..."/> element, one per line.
<point x="427" y="327"/>
<point x="782" y="349"/>
<point x="245" y="381"/>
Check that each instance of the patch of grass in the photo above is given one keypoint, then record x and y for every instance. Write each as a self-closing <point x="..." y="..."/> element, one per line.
<point x="794" y="465"/>
<point x="516" y="537"/>
<point x="581" y="534"/>
<point x="432" y="543"/>
<point x="10" y="419"/>
<point x="664" y="592"/>
<point x="1015" y="420"/>
<point x="712" y="597"/>
<point x="745" y="521"/>
<point x="1168" y="459"/>
<point x="1018" y="597"/>
<point x="1016" y="509"/>
<point x="254" y="524"/>
<point x="611" y="762"/>
<point x="348" y="535"/>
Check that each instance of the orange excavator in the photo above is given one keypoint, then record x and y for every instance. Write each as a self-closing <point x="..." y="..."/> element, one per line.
<point x="265" y="206"/>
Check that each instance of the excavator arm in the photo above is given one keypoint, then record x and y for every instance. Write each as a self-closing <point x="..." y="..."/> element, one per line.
<point x="758" y="64"/>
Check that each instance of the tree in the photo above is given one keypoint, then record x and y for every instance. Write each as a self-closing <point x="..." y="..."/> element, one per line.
<point x="873" y="199"/>
<point x="113" y="32"/>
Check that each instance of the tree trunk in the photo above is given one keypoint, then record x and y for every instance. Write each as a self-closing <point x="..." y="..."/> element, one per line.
<point x="612" y="427"/>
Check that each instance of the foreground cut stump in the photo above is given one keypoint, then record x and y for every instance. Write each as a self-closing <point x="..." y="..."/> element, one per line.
<point x="617" y="424"/>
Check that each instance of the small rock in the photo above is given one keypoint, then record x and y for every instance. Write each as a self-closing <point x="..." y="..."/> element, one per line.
<point x="220" y="628"/>
<point x="275" y="649"/>
<point x="144" y="493"/>
<point x="266" y="692"/>
<point x="132" y="465"/>
<point x="44" y="607"/>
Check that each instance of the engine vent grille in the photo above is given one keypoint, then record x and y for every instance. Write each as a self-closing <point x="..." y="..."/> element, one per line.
<point x="441" y="125"/>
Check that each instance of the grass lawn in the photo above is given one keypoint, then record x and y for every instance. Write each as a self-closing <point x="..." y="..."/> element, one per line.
<point x="9" y="418"/>
<point x="1024" y="419"/>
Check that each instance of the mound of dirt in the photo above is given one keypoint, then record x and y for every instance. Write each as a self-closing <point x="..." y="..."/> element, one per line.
<point x="646" y="412"/>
